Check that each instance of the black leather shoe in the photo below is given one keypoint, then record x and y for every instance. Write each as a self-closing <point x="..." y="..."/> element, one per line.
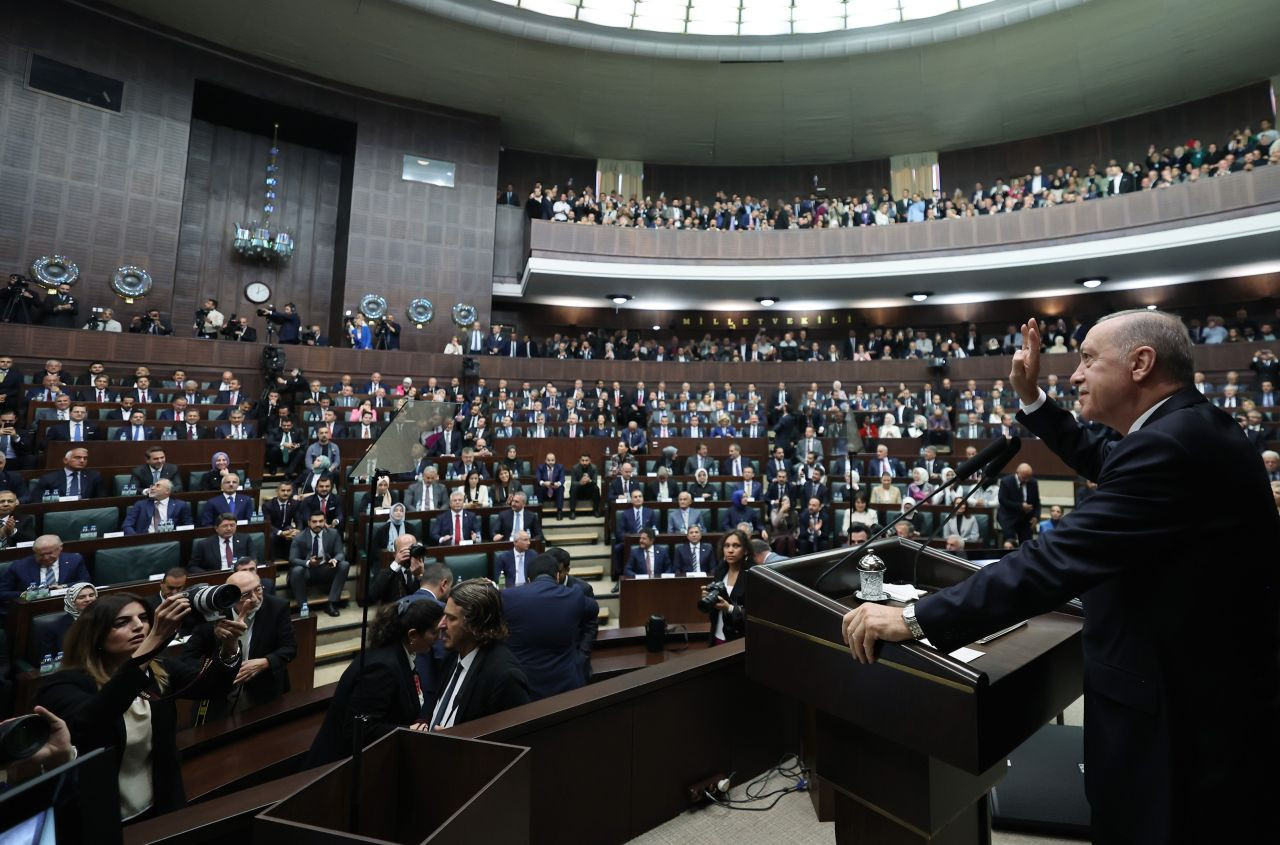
<point x="332" y="611"/>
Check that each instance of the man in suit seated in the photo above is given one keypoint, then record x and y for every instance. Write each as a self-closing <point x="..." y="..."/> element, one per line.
<point x="647" y="559"/>
<point x="189" y="428"/>
<point x="586" y="485"/>
<point x="635" y="438"/>
<point x="317" y="557"/>
<point x="621" y="488"/>
<point x="101" y="392"/>
<point x="1019" y="504"/>
<point x="427" y="494"/>
<point x="813" y="529"/>
<point x="285" y="449"/>
<point x="517" y="518"/>
<point x="155" y="469"/>
<point x="484" y="677"/>
<point x="14" y="527"/>
<point x="550" y="480"/>
<point x="546" y="621"/>
<point x="511" y="564"/>
<point x="263" y="675"/>
<point x="752" y="490"/>
<point x="366" y="429"/>
<point x="630" y="521"/>
<point x="230" y="500"/>
<point x="75" y="430"/>
<point x="236" y="428"/>
<point x="455" y="525"/>
<point x="231" y="394"/>
<point x="466" y="464"/>
<point x="882" y="464"/>
<point x="72" y="480"/>
<point x="663" y="488"/>
<point x="222" y="549"/>
<point x="147" y="515"/>
<point x="284" y="520"/>
<point x="47" y="565"/>
<point x="325" y="502"/>
<point x="694" y="555"/>
<point x="137" y="429"/>
<point x="10" y="480"/>
<point x="680" y="519"/>
<point x="702" y="460"/>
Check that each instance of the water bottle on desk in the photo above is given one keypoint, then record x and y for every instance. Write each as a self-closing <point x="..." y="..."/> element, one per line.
<point x="46" y="664"/>
<point x="57" y="662"/>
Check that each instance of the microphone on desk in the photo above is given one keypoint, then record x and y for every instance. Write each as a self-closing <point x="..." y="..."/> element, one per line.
<point x="1011" y="447"/>
<point x="989" y="455"/>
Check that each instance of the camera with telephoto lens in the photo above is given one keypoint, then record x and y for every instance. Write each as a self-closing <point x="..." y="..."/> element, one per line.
<point x="418" y="551"/>
<point x="267" y="312"/>
<point x="22" y="737"/>
<point x="211" y="600"/>
<point x="715" y="591"/>
<point x="18" y="282"/>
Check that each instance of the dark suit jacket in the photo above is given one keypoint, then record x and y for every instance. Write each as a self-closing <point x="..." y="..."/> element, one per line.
<point x="448" y="443"/>
<point x="628" y="523"/>
<point x="126" y="433"/>
<point x="546" y="621"/>
<point x="637" y="566"/>
<point x="1010" y="511"/>
<point x="62" y="431"/>
<point x="311" y="505"/>
<point x="495" y="682"/>
<point x="272" y="639"/>
<point x="14" y="580"/>
<point x="442" y="525"/>
<point x="138" y="518"/>
<point x="684" y="558"/>
<point x="215" y="507"/>
<point x="532" y="523"/>
<point x="12" y="481"/>
<point x="95" y="717"/>
<point x="141" y="476"/>
<point x="1168" y="751"/>
<point x="25" y="529"/>
<point x="735" y="621"/>
<point x="206" y="553"/>
<point x="384" y="691"/>
<point x="90" y="485"/>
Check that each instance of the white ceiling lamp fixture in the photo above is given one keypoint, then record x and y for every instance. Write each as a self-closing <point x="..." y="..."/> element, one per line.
<point x="1091" y="282"/>
<point x="920" y="295"/>
<point x="656" y="327"/>
<point x="1151" y="307"/>
<point x="767" y="301"/>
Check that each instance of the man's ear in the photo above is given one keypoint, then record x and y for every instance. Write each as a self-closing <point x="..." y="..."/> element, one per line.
<point x="1142" y="363"/>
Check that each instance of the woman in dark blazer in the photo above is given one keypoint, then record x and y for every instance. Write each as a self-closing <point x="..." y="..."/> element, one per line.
<point x="115" y="692"/>
<point x="729" y="616"/>
<point x="219" y="465"/>
<point x="384" y="689"/>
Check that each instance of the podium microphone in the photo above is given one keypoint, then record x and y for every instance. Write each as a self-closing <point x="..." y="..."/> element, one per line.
<point x="989" y="455"/>
<point x="1011" y="447"/>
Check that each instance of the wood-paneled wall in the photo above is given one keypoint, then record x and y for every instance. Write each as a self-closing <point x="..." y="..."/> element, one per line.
<point x="772" y="183"/>
<point x="225" y="171"/>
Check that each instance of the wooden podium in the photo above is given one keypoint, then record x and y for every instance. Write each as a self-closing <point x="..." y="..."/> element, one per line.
<point x="416" y="788"/>
<point x="910" y="745"/>
<point x="674" y="599"/>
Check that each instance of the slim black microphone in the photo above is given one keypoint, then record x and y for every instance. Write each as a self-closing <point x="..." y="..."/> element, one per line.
<point x="1011" y="447"/>
<point x="965" y="470"/>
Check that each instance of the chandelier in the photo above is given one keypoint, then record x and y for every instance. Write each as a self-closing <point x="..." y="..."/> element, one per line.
<point x="257" y="240"/>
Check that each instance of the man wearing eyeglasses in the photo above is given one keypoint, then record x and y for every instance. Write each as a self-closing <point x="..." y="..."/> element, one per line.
<point x="267" y="643"/>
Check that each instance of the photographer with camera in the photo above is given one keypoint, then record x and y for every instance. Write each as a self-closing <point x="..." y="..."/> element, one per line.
<point x="102" y="320"/>
<point x="18" y="302"/>
<point x="150" y="323"/>
<point x="115" y="691"/>
<point x="403" y="575"/>
<point x="286" y="323"/>
<point x="209" y="320"/>
<point x="725" y="599"/>
<point x="387" y="333"/>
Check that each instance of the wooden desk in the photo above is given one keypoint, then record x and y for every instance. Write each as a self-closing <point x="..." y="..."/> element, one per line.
<point x="118" y="452"/>
<point x="674" y="599"/>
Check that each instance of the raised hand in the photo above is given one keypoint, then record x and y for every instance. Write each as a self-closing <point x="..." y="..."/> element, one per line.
<point x="1024" y="373"/>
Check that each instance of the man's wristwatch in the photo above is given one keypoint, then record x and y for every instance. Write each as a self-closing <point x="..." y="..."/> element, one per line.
<point x="909" y="617"/>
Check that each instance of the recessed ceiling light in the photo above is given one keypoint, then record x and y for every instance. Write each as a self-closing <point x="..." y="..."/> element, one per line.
<point x="921" y="295"/>
<point x="767" y="301"/>
<point x="620" y="298"/>
<point x="1151" y="307"/>
<point x="423" y="162"/>
<point x="657" y="328"/>
<point x="1091" y="282"/>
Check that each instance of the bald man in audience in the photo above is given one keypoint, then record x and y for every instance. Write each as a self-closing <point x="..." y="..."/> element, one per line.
<point x="15" y="527"/>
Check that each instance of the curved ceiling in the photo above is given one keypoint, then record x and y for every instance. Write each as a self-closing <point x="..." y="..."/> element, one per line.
<point x="1076" y="67"/>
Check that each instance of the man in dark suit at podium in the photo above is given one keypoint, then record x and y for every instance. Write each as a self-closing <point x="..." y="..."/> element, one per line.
<point x="1177" y="716"/>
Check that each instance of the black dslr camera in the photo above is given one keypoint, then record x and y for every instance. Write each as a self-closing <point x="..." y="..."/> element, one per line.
<point x="418" y="550"/>
<point x="715" y="592"/>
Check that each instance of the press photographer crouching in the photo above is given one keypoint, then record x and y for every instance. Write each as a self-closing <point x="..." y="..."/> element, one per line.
<point x="115" y="691"/>
<point x="725" y="598"/>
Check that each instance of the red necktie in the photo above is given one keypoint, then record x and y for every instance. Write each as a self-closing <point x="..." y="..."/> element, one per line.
<point x="324" y="505"/>
<point x="227" y="545"/>
<point x="457" y="529"/>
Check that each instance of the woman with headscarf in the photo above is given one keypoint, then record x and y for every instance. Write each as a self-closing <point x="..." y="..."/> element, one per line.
<point x="219" y="465"/>
<point x="737" y="514"/>
<point x="701" y="489"/>
<point x="79" y="596"/>
<point x="318" y="472"/>
<point x="919" y="488"/>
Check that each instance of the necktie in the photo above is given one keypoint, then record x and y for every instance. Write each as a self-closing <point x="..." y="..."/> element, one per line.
<point x="441" y="713"/>
<point x="155" y="475"/>
<point x="324" y="505"/>
<point x="430" y="498"/>
<point x="649" y="556"/>
<point x="231" y="505"/>
<point x="364" y="432"/>
<point x="73" y="489"/>
<point x="47" y="575"/>
<point x="77" y="436"/>
<point x="517" y="524"/>
<point x="457" y="529"/>
<point x="315" y="545"/>
<point x="102" y="396"/>
<point x="696" y="550"/>
<point x="513" y="349"/>
<point x="226" y="553"/>
<point x="155" y="517"/>
<point x="137" y="432"/>
<point x="191" y="432"/>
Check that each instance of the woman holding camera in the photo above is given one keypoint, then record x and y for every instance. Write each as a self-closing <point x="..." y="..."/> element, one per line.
<point x="384" y="688"/>
<point x="729" y="612"/>
<point x="115" y="691"/>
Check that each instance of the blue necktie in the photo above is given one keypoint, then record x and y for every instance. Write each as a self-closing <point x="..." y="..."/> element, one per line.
<point x="73" y="489"/>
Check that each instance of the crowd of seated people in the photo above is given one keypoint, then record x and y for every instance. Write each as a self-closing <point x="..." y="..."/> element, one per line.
<point x="1244" y="151"/>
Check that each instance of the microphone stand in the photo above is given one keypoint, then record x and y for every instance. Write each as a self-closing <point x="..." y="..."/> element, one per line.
<point x="979" y="461"/>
